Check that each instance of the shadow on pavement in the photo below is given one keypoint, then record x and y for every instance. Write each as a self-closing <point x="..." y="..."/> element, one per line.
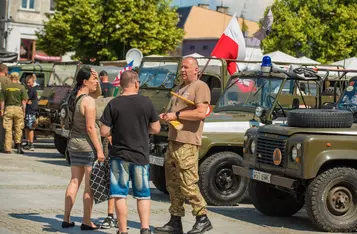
<point x="131" y="224"/>
<point x="53" y="224"/>
<point x="300" y="221"/>
<point x="62" y="162"/>
<point x="43" y="154"/>
<point x="157" y="195"/>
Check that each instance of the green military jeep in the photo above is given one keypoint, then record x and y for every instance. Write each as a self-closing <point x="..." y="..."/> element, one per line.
<point x="42" y="72"/>
<point x="311" y="161"/>
<point x="234" y="113"/>
<point x="56" y="99"/>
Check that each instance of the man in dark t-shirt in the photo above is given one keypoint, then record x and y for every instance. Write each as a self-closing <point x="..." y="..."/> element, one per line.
<point x="130" y="118"/>
<point x="31" y="108"/>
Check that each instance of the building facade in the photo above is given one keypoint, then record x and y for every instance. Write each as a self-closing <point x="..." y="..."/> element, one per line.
<point x="203" y="27"/>
<point x="21" y="20"/>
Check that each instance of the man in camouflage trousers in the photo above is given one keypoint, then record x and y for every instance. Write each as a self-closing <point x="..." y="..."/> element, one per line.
<point x="181" y="161"/>
<point x="13" y="96"/>
<point x="4" y="79"/>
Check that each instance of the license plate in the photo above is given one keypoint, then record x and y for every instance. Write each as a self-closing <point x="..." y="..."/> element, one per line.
<point x="159" y="161"/>
<point x="261" y="176"/>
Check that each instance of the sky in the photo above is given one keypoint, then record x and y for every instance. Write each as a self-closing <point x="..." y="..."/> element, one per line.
<point x="254" y="9"/>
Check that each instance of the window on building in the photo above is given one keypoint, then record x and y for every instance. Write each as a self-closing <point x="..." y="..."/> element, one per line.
<point x="192" y="47"/>
<point x="52" y="5"/>
<point x="28" y="4"/>
<point x="26" y="48"/>
<point x="205" y="47"/>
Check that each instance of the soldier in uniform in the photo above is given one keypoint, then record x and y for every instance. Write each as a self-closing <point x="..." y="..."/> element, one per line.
<point x="181" y="161"/>
<point x="13" y="96"/>
<point x="4" y="79"/>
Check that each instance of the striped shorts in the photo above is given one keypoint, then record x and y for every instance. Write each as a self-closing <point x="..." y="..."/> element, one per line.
<point x="82" y="158"/>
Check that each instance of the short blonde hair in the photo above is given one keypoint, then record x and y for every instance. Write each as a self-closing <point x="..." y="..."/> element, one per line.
<point x="14" y="75"/>
<point x="29" y="77"/>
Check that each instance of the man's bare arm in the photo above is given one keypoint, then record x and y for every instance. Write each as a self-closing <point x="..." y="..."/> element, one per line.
<point x="192" y="115"/>
<point x="154" y="127"/>
<point x="104" y="130"/>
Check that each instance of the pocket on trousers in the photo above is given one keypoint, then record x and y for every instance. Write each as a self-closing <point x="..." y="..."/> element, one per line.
<point x="187" y="156"/>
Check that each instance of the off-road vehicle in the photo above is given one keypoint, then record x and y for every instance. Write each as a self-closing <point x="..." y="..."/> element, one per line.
<point x="310" y="160"/>
<point x="42" y="72"/>
<point x="234" y="113"/>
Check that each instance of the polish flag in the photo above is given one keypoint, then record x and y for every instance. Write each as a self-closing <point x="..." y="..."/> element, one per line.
<point x="231" y="45"/>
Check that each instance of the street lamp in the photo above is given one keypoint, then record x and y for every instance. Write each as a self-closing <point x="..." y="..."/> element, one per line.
<point x="5" y="28"/>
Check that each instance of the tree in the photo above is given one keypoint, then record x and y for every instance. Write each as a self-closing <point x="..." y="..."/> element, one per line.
<point x="324" y="30"/>
<point x="106" y="29"/>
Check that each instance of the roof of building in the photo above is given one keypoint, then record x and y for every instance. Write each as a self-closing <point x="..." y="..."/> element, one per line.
<point x="199" y="22"/>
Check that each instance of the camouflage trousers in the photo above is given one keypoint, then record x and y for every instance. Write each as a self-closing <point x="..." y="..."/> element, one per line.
<point x="13" y="117"/>
<point x="181" y="171"/>
<point x="2" y="134"/>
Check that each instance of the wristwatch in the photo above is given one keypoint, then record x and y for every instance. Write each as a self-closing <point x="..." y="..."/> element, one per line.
<point x="177" y="114"/>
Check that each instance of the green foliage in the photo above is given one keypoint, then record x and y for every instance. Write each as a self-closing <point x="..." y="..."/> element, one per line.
<point x="324" y="30"/>
<point x="106" y="29"/>
<point x="244" y="26"/>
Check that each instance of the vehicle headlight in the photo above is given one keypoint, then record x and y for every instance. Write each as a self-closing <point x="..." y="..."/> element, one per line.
<point x="63" y="113"/>
<point x="252" y="147"/>
<point x="294" y="153"/>
<point x="259" y="111"/>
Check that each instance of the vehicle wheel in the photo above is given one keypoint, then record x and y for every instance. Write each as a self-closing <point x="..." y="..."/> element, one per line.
<point x="320" y="118"/>
<point x="157" y="174"/>
<point x="60" y="143"/>
<point x="331" y="200"/>
<point x="272" y="201"/>
<point x="218" y="184"/>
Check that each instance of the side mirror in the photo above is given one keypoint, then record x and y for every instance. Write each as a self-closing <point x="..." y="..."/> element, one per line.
<point x="296" y="103"/>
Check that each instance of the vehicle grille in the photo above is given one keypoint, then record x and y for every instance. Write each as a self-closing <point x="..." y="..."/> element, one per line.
<point x="266" y="146"/>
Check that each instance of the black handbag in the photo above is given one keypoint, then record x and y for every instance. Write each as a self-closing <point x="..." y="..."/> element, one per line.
<point x="100" y="181"/>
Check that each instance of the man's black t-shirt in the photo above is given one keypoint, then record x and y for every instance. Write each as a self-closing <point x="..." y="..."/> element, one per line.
<point x="130" y="117"/>
<point x="32" y="95"/>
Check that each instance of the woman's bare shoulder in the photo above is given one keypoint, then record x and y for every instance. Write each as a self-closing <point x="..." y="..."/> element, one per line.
<point x="88" y="100"/>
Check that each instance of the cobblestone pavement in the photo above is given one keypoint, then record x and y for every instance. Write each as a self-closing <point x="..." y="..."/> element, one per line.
<point x="32" y="198"/>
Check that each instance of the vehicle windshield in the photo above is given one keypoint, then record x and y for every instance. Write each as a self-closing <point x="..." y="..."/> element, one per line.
<point x="62" y="75"/>
<point x="349" y="98"/>
<point x="249" y="92"/>
<point x="158" y="74"/>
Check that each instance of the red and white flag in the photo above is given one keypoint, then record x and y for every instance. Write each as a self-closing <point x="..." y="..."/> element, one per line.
<point x="116" y="81"/>
<point x="231" y="45"/>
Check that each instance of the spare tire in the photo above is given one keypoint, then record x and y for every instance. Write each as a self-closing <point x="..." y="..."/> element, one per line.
<point x="320" y="118"/>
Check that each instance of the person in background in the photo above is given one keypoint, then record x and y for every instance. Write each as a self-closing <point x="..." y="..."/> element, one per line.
<point x="84" y="146"/>
<point x="108" y="89"/>
<point x="13" y="96"/>
<point x="129" y="119"/>
<point x="4" y="79"/>
<point x="31" y="108"/>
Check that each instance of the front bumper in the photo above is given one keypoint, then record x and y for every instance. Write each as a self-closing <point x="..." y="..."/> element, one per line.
<point x="265" y="177"/>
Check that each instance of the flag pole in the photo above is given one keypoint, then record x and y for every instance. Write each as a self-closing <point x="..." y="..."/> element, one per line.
<point x="204" y="68"/>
